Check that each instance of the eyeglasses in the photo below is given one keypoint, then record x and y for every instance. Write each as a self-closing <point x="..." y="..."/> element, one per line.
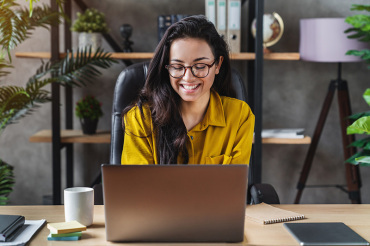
<point x="199" y="70"/>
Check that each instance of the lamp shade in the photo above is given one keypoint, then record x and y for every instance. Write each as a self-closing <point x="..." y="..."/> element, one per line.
<point x="324" y="40"/>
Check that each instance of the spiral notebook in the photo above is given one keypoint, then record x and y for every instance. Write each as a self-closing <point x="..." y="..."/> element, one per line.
<point x="266" y="214"/>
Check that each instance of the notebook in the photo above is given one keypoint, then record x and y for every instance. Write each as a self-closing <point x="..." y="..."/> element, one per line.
<point x="174" y="203"/>
<point x="336" y="233"/>
<point x="266" y="214"/>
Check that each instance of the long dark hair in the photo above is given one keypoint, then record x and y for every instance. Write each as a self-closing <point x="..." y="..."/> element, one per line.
<point x="161" y="98"/>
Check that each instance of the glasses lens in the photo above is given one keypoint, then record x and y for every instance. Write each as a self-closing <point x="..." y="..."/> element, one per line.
<point x="176" y="71"/>
<point x="200" y="70"/>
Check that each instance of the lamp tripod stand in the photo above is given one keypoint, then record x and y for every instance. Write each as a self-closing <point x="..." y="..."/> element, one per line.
<point x="352" y="171"/>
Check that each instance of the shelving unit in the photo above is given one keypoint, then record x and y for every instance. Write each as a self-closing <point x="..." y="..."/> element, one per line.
<point x="66" y="138"/>
<point x="147" y="55"/>
<point x="71" y="136"/>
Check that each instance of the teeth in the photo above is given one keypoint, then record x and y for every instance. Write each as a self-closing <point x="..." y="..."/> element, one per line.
<point x="190" y="87"/>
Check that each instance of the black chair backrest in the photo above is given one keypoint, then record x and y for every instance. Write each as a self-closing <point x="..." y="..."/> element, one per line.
<point x="128" y="84"/>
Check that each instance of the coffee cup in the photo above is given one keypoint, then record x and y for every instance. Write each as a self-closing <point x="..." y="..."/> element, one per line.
<point x="79" y="205"/>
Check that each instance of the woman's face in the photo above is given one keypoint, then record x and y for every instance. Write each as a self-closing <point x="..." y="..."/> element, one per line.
<point x="187" y="52"/>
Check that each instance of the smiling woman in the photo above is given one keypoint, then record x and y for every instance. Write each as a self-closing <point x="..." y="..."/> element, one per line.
<point x="185" y="112"/>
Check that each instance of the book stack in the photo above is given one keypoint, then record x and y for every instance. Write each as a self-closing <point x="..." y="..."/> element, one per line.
<point x="165" y="21"/>
<point x="65" y="231"/>
<point x="283" y="133"/>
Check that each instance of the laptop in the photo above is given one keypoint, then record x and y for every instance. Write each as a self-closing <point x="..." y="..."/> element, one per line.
<point x="174" y="203"/>
<point x="331" y="233"/>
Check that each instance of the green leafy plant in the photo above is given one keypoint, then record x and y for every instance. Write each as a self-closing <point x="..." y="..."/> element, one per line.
<point x="16" y="23"/>
<point x="360" y="30"/>
<point x="90" y="21"/>
<point x="6" y="181"/>
<point x="88" y="107"/>
<point x="78" y="68"/>
<point x="361" y="126"/>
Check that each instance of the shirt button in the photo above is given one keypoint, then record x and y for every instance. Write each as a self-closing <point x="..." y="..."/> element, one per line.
<point x="191" y="137"/>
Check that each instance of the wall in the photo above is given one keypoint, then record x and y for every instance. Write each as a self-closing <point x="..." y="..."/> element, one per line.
<point x="293" y="92"/>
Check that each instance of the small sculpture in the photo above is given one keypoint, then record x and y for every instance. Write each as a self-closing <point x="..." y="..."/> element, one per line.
<point x="126" y="31"/>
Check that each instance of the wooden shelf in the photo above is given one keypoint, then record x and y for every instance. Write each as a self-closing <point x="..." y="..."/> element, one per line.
<point x="76" y="136"/>
<point x="147" y="55"/>
<point x="71" y="136"/>
<point x="305" y="140"/>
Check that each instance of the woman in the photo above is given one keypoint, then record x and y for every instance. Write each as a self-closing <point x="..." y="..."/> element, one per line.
<point x="185" y="113"/>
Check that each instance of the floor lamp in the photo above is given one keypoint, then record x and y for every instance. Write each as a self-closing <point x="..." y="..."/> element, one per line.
<point x="324" y="40"/>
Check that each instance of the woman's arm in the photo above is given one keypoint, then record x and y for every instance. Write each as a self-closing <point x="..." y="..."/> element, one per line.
<point x="242" y="148"/>
<point x="138" y="138"/>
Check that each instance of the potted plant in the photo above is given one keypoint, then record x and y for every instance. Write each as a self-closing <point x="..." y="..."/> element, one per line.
<point x="90" y="25"/>
<point x="361" y="124"/>
<point x="88" y="110"/>
<point x="19" y="101"/>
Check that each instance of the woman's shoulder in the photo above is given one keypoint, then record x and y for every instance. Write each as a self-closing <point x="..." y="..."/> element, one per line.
<point x="235" y="105"/>
<point x="136" y="111"/>
<point x="138" y="116"/>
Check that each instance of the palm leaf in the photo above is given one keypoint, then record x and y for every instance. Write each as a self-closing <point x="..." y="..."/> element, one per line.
<point x="16" y="102"/>
<point x="4" y="65"/>
<point x="16" y="25"/>
<point x="77" y="68"/>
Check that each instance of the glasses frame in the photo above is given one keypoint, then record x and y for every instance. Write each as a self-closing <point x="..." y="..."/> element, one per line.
<point x="191" y="69"/>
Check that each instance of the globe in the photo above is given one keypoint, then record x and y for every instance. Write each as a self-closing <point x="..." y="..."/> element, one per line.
<point x="273" y="28"/>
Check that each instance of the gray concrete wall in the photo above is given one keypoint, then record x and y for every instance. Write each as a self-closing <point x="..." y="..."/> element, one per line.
<point x="293" y="92"/>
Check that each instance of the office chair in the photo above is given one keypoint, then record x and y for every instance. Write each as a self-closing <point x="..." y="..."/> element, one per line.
<point x="128" y="85"/>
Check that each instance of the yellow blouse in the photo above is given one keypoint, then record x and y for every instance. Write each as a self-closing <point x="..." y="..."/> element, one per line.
<point x="224" y="136"/>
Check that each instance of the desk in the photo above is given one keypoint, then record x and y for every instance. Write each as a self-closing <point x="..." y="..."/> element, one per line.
<point x="356" y="216"/>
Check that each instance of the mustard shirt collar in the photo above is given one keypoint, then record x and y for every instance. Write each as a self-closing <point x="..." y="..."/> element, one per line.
<point x="214" y="116"/>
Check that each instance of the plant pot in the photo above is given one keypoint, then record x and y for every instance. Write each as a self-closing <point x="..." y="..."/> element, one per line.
<point x="89" y="126"/>
<point x="93" y="39"/>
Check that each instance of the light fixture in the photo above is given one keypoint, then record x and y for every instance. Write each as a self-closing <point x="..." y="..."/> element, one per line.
<point x="324" y="40"/>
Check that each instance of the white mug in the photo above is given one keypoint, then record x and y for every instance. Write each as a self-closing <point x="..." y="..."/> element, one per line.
<point x="79" y="205"/>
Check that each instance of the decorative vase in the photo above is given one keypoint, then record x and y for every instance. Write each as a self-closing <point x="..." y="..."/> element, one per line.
<point x="93" y="39"/>
<point x="89" y="126"/>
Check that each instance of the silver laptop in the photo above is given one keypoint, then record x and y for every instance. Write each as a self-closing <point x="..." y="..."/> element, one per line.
<point x="174" y="203"/>
<point x="331" y="233"/>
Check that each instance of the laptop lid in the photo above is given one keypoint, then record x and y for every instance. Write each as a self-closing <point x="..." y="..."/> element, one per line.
<point x="336" y="233"/>
<point x="175" y="203"/>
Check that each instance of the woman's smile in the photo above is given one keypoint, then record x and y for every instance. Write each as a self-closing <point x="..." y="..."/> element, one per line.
<point x="190" y="87"/>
